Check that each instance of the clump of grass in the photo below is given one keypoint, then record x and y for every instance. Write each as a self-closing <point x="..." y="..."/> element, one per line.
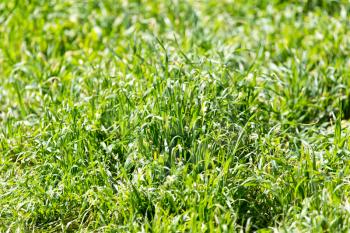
<point x="174" y="116"/>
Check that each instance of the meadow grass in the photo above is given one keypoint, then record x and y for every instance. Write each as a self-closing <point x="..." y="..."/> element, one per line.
<point x="174" y="116"/>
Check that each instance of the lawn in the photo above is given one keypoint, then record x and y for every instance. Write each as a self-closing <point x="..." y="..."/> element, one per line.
<point x="174" y="116"/>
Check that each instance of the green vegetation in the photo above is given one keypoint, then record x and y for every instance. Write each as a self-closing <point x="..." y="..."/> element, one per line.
<point x="174" y="116"/>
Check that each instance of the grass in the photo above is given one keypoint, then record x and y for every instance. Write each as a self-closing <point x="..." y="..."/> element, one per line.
<point x="174" y="116"/>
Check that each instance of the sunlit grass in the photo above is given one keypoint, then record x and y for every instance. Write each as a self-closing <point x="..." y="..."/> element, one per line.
<point x="174" y="116"/>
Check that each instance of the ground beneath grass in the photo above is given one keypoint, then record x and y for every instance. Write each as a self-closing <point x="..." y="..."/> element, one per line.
<point x="174" y="116"/>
